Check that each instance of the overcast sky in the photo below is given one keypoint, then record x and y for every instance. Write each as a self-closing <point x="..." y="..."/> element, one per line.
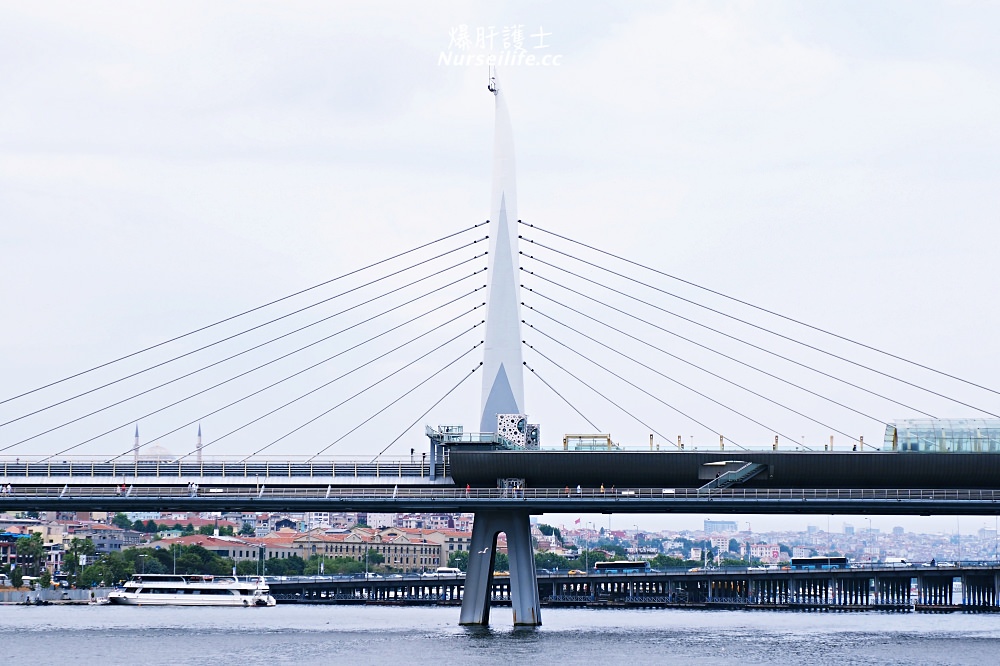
<point x="165" y="165"/>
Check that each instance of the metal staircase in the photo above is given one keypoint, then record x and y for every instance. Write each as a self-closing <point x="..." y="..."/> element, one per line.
<point x="737" y="476"/>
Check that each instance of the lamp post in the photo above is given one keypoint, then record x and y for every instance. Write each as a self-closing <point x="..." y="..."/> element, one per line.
<point x="142" y="560"/>
<point x="869" y="536"/>
<point x="749" y="544"/>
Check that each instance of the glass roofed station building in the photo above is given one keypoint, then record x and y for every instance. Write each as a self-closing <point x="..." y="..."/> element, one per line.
<point x="943" y="436"/>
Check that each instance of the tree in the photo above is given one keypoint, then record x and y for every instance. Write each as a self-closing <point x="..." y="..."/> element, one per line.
<point x="459" y="560"/>
<point x="122" y="521"/>
<point x="77" y="549"/>
<point x="32" y="548"/>
<point x="287" y="566"/>
<point x="151" y="527"/>
<point x="551" y="561"/>
<point x="207" y="530"/>
<point x="16" y="578"/>
<point x="331" y="565"/>
<point x="45" y="580"/>
<point x="247" y="530"/>
<point x="108" y="570"/>
<point x="501" y="562"/>
<point x="374" y="557"/>
<point x="247" y="568"/>
<point x="665" y="562"/>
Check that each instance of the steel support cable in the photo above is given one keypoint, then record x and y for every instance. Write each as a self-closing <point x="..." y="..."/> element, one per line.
<point x="770" y="312"/>
<point x="267" y="342"/>
<point x="679" y="383"/>
<point x="325" y="412"/>
<point x="683" y="360"/>
<point x="236" y="335"/>
<point x="760" y="328"/>
<point x="355" y="428"/>
<point x="324" y="385"/>
<point x="561" y="397"/>
<point x="694" y="342"/>
<point x="246" y="312"/>
<point x="427" y="411"/>
<point x="633" y="416"/>
<point x="642" y="390"/>
<point x="173" y="404"/>
<point x="340" y="353"/>
<point x="714" y="330"/>
<point x="267" y="363"/>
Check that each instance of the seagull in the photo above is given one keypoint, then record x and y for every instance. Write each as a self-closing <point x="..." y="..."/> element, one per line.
<point x="483" y="551"/>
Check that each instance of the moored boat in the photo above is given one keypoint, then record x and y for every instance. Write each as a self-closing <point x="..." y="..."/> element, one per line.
<point x="192" y="590"/>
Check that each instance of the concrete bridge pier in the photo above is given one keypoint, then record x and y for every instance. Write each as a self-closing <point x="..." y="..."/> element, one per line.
<point x="479" y="578"/>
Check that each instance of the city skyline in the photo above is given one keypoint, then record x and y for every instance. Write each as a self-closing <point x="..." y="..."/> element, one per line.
<point x="166" y="168"/>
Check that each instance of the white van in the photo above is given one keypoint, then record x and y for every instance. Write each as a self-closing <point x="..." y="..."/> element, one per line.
<point x="449" y="571"/>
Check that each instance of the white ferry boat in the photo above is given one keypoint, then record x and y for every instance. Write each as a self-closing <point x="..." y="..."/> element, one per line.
<point x="192" y="590"/>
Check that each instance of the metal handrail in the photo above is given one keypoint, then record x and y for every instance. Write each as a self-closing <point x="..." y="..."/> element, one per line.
<point x="240" y="487"/>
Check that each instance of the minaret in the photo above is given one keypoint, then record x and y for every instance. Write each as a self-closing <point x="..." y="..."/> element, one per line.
<point x="503" y="381"/>
<point x="199" y="445"/>
<point x="135" y="444"/>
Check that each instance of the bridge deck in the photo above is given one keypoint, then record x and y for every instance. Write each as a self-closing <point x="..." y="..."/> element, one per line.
<point x="228" y="494"/>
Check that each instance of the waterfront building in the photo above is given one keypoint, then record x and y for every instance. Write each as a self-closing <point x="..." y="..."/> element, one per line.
<point x="237" y="549"/>
<point x="765" y="552"/>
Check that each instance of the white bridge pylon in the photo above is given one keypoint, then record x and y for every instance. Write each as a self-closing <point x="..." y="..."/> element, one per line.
<point x="503" y="393"/>
<point x="503" y="379"/>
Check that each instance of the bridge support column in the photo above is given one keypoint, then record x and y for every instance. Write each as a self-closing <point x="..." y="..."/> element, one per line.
<point x="479" y="578"/>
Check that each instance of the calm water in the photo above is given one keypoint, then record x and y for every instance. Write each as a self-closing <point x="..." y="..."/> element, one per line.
<point x="379" y="635"/>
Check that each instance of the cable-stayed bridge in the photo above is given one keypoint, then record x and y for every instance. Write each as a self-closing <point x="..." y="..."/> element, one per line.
<point x="353" y="367"/>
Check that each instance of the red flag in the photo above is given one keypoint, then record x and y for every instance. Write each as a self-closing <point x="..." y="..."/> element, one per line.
<point x="576" y="522"/>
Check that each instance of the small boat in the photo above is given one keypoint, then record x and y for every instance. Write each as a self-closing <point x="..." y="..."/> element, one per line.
<point x="192" y="590"/>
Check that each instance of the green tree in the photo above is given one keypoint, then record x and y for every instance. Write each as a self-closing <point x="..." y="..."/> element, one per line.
<point x="284" y="566"/>
<point x="551" y="561"/>
<point x="332" y="565"/>
<point x="207" y="530"/>
<point x="247" y="568"/>
<point x="374" y="557"/>
<point x="32" y="548"/>
<point x="45" y="580"/>
<point x="151" y="527"/>
<point x="110" y="569"/>
<point x="71" y="562"/>
<point x="665" y="562"/>
<point x="459" y="559"/>
<point x="16" y="578"/>
<point x="226" y="530"/>
<point x="501" y="562"/>
<point x="122" y="521"/>
<point x="247" y="530"/>
<point x="548" y="530"/>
